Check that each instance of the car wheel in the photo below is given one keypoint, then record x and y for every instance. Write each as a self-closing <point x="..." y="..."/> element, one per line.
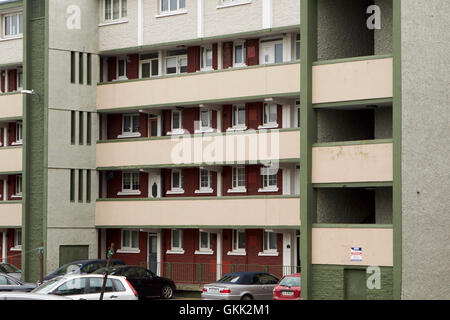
<point x="167" y="292"/>
<point x="247" y="297"/>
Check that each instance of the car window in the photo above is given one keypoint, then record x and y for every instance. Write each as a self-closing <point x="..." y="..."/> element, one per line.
<point x="67" y="268"/>
<point x="131" y="273"/>
<point x="229" y="278"/>
<point x="118" y="285"/>
<point x="92" y="267"/>
<point x="142" y="273"/>
<point x="48" y="286"/>
<point x="95" y="285"/>
<point x="264" y="279"/>
<point x="71" y="287"/>
<point x="3" y="281"/>
<point x="290" y="282"/>
<point x="7" y="268"/>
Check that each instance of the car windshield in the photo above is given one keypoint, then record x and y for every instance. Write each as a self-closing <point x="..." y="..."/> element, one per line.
<point x="47" y="286"/>
<point x="290" y="282"/>
<point x="67" y="268"/>
<point x="229" y="278"/>
<point x="8" y="268"/>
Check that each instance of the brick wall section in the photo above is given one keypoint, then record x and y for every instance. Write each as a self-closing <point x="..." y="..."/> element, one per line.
<point x="193" y="54"/>
<point x="227" y="55"/>
<point x="143" y="124"/>
<point x="227" y="116"/>
<point x="134" y="259"/>
<point x="12" y="80"/>
<point x="215" y="56"/>
<point x="253" y="115"/>
<point x="252" y="49"/>
<point x="114" y="185"/>
<point x="2" y="82"/>
<point x="14" y="257"/>
<point x="191" y="182"/>
<point x="167" y="121"/>
<point x="12" y="188"/>
<point x="112" y="66"/>
<point x="11" y="133"/>
<point x="114" y="127"/>
<point x="133" y="66"/>
<point x="190" y="115"/>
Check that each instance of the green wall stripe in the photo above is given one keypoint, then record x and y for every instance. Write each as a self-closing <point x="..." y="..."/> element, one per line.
<point x="355" y="103"/>
<point x="352" y="143"/>
<point x="368" y="184"/>
<point x="352" y="226"/>
<point x="352" y="59"/>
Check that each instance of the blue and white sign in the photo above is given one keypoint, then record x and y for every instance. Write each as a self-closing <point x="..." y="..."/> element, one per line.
<point x="356" y="254"/>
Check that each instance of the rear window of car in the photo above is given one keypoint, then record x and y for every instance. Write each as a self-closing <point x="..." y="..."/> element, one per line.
<point x="230" y="278"/>
<point x="118" y="285"/>
<point x="95" y="285"/>
<point x="290" y="282"/>
<point x="9" y="268"/>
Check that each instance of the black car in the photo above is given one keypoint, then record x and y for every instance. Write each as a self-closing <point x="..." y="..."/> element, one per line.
<point x="145" y="282"/>
<point x="8" y="283"/>
<point x="81" y="266"/>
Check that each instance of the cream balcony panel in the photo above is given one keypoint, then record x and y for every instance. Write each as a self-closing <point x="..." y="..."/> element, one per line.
<point x="11" y="105"/>
<point x="11" y="51"/>
<point x="356" y="80"/>
<point x="333" y="246"/>
<point x="10" y="159"/>
<point x="210" y="149"/>
<point x="354" y="163"/>
<point x="265" y="212"/>
<point x="10" y="214"/>
<point x="197" y="87"/>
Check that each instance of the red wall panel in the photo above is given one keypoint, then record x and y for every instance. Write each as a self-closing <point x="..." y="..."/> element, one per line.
<point x="215" y="56"/>
<point x="114" y="127"/>
<point x="112" y="68"/>
<point x="12" y="80"/>
<point x="227" y="55"/>
<point x="252" y="49"/>
<point x="227" y="117"/>
<point x="133" y="66"/>
<point x="254" y="115"/>
<point x="134" y="259"/>
<point x="193" y="54"/>
<point x="190" y="116"/>
<point x="114" y="185"/>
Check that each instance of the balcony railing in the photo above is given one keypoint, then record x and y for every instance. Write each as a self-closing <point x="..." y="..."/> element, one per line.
<point x="11" y="105"/>
<point x="10" y="214"/>
<point x="11" y="159"/>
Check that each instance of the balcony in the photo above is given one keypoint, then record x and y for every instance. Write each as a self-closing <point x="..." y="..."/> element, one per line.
<point x="332" y="246"/>
<point x="11" y="105"/>
<point x="11" y="159"/>
<point x="214" y="149"/>
<point x="352" y="80"/>
<point x="370" y="162"/>
<point x="215" y="86"/>
<point x="265" y="212"/>
<point x="10" y="214"/>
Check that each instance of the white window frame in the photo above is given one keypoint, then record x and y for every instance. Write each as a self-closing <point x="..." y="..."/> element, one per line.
<point x="149" y="61"/>
<point x="130" y="248"/>
<point x="130" y="191"/>
<point x="232" y="3"/>
<point x="204" y="57"/>
<point x="18" y="34"/>
<point x="208" y="128"/>
<point x="121" y="11"/>
<point x="235" y="114"/>
<point x="19" y="79"/>
<point x="208" y="188"/>
<point x="17" y="244"/>
<point x="267" y="251"/>
<point x="208" y="249"/>
<point x="170" y="10"/>
<point x="267" y="124"/>
<point x="244" y="54"/>
<point x="124" y="77"/>
<point x="235" y="187"/>
<point x="266" y="173"/>
<point x="297" y="114"/>
<point x="176" y="131"/>
<point x="273" y="45"/>
<point x="179" y="189"/>
<point x="18" y="185"/>
<point x="178" y="66"/>
<point x="297" y="47"/>
<point x="19" y="132"/>
<point x="131" y="133"/>
<point x="235" y="250"/>
<point x="179" y="249"/>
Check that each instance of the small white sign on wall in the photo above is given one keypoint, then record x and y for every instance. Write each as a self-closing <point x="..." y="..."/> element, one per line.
<point x="356" y="254"/>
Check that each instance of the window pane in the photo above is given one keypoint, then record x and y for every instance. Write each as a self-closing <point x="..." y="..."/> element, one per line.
<point x="7" y="25"/>
<point x="175" y="179"/>
<point x="273" y="241"/>
<point x="176" y="243"/>
<point x="204" y="240"/>
<point x="136" y="181"/>
<point x="126" y="184"/>
<point x="176" y="120"/>
<point x="121" y="68"/>
<point x="171" y="65"/>
<point x="241" y="177"/>
<point x="126" y="239"/>
<point x="108" y="9"/>
<point x="238" y="54"/>
<point x="241" y="243"/>
<point x="126" y="124"/>
<point x="124" y="8"/>
<point x="20" y="23"/>
<point x="135" y="239"/>
<point x="183" y="65"/>
<point x="278" y="52"/>
<point x="173" y="5"/>
<point x="273" y="113"/>
<point x="241" y="116"/>
<point x="164" y="5"/>
<point x="155" y="67"/>
<point x="297" y="50"/>
<point x="182" y="4"/>
<point x="135" y="123"/>
<point x="145" y="70"/>
<point x="116" y="9"/>
<point x="14" y="25"/>
<point x="209" y="57"/>
<point x="204" y="118"/>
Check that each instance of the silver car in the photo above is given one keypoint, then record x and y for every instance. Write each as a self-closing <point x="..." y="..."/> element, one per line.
<point x="10" y="270"/>
<point x="241" y="286"/>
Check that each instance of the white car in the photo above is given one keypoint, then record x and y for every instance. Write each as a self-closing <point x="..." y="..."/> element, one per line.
<point x="88" y="287"/>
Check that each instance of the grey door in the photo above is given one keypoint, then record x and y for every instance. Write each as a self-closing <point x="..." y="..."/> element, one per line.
<point x="152" y="252"/>
<point x="71" y="253"/>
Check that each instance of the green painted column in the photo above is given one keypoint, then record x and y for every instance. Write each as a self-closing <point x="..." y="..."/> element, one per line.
<point x="308" y="129"/>
<point x="397" y="149"/>
<point x="35" y="53"/>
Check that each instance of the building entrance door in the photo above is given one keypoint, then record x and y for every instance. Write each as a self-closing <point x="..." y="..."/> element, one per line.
<point x="152" y="252"/>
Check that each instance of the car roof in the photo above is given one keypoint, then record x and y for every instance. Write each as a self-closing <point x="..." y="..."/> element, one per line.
<point x="246" y="277"/>
<point x="93" y="261"/>
<point x="90" y="275"/>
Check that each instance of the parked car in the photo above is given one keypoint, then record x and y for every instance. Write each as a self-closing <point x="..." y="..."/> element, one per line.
<point x="241" y="286"/>
<point x="146" y="283"/>
<point x="80" y="267"/>
<point x="88" y="287"/>
<point x="289" y="288"/>
<point x="10" y="269"/>
<point x="29" y="296"/>
<point x="8" y="283"/>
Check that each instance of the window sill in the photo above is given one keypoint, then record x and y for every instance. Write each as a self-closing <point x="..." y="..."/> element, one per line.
<point x="268" y="190"/>
<point x="233" y="129"/>
<point x="129" y="135"/>
<point x="169" y="14"/>
<point x="128" y="193"/>
<point x="237" y="190"/>
<point x="109" y="23"/>
<point x="16" y="196"/>
<point x="180" y="251"/>
<point x="201" y="191"/>
<point x="11" y="38"/>
<point x="17" y="143"/>
<point x="236" y="253"/>
<point x="233" y="4"/>
<point x="176" y="132"/>
<point x="268" y="254"/>
<point x="239" y="65"/>
<point x="208" y="130"/>
<point x="175" y="191"/>
<point x="206" y="252"/>
<point x="269" y="126"/>
<point x="120" y="79"/>
<point x="15" y="249"/>
<point x="128" y="250"/>
<point x="206" y="69"/>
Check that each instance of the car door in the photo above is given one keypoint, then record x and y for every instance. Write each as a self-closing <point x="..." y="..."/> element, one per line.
<point x="268" y="283"/>
<point x="256" y="288"/>
<point x="74" y="288"/>
<point x="152" y="283"/>
<point x="6" y="284"/>
<point x="94" y="289"/>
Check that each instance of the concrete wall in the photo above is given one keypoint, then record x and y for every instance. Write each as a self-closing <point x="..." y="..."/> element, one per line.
<point x="12" y="51"/>
<point x="383" y="205"/>
<point x="383" y="123"/>
<point x="342" y="30"/>
<point x="383" y="36"/>
<point x="425" y="140"/>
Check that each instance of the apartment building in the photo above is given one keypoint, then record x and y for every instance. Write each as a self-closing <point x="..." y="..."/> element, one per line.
<point x="208" y="136"/>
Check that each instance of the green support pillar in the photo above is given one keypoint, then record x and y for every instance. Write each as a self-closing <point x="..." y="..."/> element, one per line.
<point x="308" y="129"/>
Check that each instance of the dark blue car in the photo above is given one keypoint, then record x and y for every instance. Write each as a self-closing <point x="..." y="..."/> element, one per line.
<point x="81" y="266"/>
